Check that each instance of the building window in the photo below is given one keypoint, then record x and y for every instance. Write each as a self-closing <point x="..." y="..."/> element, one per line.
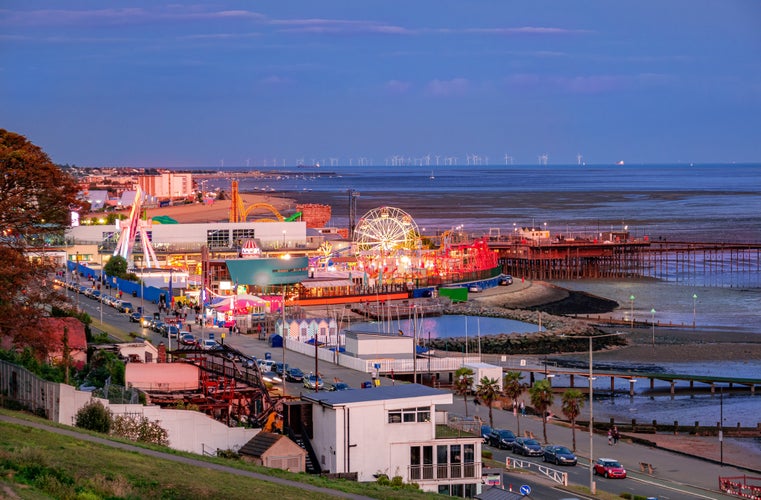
<point x="243" y="234"/>
<point x="407" y="415"/>
<point x="218" y="238"/>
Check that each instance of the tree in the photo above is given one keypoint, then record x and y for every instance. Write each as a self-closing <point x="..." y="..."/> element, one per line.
<point x="116" y="266"/>
<point x="541" y="400"/>
<point x="36" y="198"/>
<point x="487" y="391"/>
<point x="573" y="402"/>
<point x="94" y="416"/>
<point x="513" y="388"/>
<point x="463" y="381"/>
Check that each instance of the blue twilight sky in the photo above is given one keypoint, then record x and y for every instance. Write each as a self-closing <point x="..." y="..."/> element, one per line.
<point x="154" y="83"/>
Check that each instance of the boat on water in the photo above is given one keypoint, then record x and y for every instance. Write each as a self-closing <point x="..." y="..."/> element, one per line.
<point x="431" y="177"/>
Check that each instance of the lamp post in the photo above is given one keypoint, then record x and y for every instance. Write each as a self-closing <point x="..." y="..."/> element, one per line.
<point x="631" y="311"/>
<point x="284" y="238"/>
<point x="592" y="486"/>
<point x="652" y="311"/>
<point x="694" y="308"/>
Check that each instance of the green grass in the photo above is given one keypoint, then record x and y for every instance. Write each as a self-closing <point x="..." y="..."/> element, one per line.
<point x="41" y="464"/>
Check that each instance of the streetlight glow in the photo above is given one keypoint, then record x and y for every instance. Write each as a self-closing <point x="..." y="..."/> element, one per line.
<point x="631" y="311"/>
<point x="652" y="311"/>
<point x="694" y="308"/>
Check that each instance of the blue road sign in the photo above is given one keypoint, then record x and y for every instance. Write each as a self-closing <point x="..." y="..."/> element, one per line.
<point x="525" y="490"/>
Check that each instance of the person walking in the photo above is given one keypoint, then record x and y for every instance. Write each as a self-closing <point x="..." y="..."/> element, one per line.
<point x="616" y="435"/>
<point x="610" y="437"/>
<point x="523" y="408"/>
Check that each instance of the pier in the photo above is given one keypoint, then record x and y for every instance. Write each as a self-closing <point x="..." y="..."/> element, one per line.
<point x="716" y="264"/>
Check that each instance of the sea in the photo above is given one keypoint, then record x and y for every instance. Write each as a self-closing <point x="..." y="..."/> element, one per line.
<point x="672" y="202"/>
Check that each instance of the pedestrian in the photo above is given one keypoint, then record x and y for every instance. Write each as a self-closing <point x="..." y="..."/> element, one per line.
<point x="616" y="435"/>
<point x="523" y="408"/>
<point x="610" y="437"/>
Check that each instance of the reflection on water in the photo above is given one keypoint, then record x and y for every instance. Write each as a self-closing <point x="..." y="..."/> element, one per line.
<point x="448" y="326"/>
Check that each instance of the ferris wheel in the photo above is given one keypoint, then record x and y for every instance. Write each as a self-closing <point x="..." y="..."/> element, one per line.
<point x="386" y="230"/>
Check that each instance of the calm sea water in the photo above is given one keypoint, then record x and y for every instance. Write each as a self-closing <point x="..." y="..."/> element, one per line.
<point x="677" y="202"/>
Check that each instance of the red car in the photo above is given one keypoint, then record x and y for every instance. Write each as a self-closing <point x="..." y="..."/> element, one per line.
<point x="609" y="467"/>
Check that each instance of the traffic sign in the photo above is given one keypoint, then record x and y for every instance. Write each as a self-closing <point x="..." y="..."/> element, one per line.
<point x="525" y="490"/>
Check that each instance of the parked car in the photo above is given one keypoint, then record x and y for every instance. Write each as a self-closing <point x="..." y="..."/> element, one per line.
<point x="485" y="431"/>
<point x="135" y="317"/>
<point x="609" y="467"/>
<point x="559" y="455"/>
<point x="294" y="375"/>
<point x="506" y="280"/>
<point x="280" y="369"/>
<point x="187" y="339"/>
<point x="501" y="438"/>
<point x="339" y="386"/>
<point x="172" y="331"/>
<point x="313" y="381"/>
<point x="125" y="307"/>
<point x="475" y="289"/>
<point x="527" y="446"/>
<point x="209" y="344"/>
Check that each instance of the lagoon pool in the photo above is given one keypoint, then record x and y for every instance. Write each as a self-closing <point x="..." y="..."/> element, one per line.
<point x="447" y="326"/>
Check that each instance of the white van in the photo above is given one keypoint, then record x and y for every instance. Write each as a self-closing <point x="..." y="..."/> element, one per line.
<point x="266" y="365"/>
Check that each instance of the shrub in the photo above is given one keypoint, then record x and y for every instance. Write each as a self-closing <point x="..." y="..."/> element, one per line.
<point x="95" y="417"/>
<point x="139" y="429"/>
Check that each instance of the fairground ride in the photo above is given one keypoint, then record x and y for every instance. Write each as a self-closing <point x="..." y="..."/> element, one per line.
<point x="240" y="213"/>
<point x="388" y="249"/>
<point x="130" y="228"/>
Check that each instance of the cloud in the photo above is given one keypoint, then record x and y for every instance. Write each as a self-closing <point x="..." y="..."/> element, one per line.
<point x="527" y="30"/>
<point x="398" y="86"/>
<point x="446" y="88"/>
<point x="339" y="26"/>
<point x="58" y="17"/>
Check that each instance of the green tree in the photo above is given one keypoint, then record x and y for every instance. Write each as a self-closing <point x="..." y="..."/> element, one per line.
<point x="94" y="416"/>
<point x="463" y="382"/>
<point x="116" y="266"/>
<point x="36" y="200"/>
<point x="487" y="391"/>
<point x="541" y="400"/>
<point x="513" y="388"/>
<point x="573" y="402"/>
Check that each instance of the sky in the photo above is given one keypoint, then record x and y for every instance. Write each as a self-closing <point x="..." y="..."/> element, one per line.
<point x="263" y="83"/>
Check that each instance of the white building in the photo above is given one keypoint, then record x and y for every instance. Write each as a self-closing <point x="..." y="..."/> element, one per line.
<point x="393" y="430"/>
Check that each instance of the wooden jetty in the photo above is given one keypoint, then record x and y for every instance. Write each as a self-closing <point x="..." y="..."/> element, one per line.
<point x="717" y="264"/>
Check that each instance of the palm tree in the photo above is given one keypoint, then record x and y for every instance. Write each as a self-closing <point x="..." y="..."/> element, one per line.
<point x="463" y="383"/>
<point x="513" y="388"/>
<point x="573" y="402"/>
<point x="488" y="391"/>
<point x="541" y="399"/>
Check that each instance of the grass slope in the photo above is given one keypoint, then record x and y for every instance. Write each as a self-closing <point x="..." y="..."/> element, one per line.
<point x="37" y="463"/>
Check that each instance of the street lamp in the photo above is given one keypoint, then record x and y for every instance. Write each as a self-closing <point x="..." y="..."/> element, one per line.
<point x="694" y="308"/>
<point x="592" y="487"/>
<point x="631" y="311"/>
<point x="283" y="238"/>
<point x="652" y="311"/>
